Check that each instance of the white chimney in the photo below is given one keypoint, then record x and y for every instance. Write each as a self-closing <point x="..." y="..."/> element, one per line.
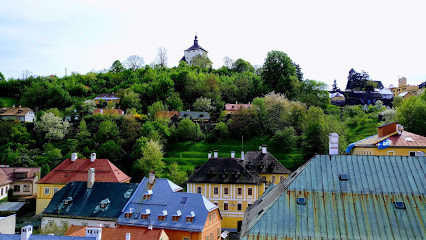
<point x="232" y="154"/>
<point x="333" y="148"/>
<point x="264" y="148"/>
<point x="92" y="157"/>
<point x="242" y="155"/>
<point x="215" y="153"/>
<point x="151" y="177"/>
<point x="91" y="178"/>
<point x="26" y="232"/>
<point x="73" y="157"/>
<point x="127" y="236"/>
<point x="94" y="232"/>
<point x="210" y="155"/>
<point x="102" y="111"/>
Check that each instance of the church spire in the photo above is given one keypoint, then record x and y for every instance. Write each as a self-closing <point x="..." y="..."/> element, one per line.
<point x="195" y="40"/>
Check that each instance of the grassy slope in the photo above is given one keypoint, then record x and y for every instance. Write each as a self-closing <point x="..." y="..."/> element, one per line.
<point x="192" y="154"/>
<point x="9" y="101"/>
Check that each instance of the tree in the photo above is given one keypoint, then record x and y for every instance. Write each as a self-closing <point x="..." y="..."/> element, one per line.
<point x="334" y="86"/>
<point x="152" y="155"/>
<point x="228" y="62"/>
<point x="299" y="72"/>
<point x="241" y="65"/>
<point x="203" y="104"/>
<point x="161" y="58"/>
<point x="397" y="101"/>
<point x="358" y="81"/>
<point x="176" y="175"/>
<point x="88" y="106"/>
<point x="110" y="150"/>
<point x="117" y="67"/>
<point x="26" y="74"/>
<point x="188" y="130"/>
<point x="2" y="77"/>
<point x="314" y="93"/>
<point x="201" y="61"/>
<point x="130" y="99"/>
<point x="412" y="114"/>
<point x="134" y="62"/>
<point x="156" y="107"/>
<point x="174" y="101"/>
<point x="315" y="136"/>
<point x="52" y="126"/>
<point x="130" y="131"/>
<point x="279" y="74"/>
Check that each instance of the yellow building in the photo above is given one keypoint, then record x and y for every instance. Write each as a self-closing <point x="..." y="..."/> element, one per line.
<point x="234" y="184"/>
<point x="73" y="169"/>
<point x="403" y="87"/>
<point x="390" y="140"/>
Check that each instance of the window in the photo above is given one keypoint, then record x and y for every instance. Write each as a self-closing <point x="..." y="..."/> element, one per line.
<point x="144" y="216"/>
<point x="185" y="238"/>
<point x="207" y="237"/>
<point x="248" y="205"/>
<point x="273" y="179"/>
<point x="128" y="215"/>
<point x="282" y="178"/>
<point x="210" y="218"/>
<point x="250" y="191"/>
<point x="64" y="223"/>
<point x="211" y="236"/>
<point x="218" y="232"/>
<point x="225" y="191"/>
<point x="239" y="206"/>
<point x="344" y="177"/>
<point x="225" y="206"/>
<point x="106" y="225"/>
<point x="84" y="224"/>
<point x="216" y="203"/>
<point x="16" y="188"/>
<point x="399" y="205"/>
<point x="161" y="218"/>
<point x="175" y="218"/>
<point x="26" y="188"/>
<point x="412" y="154"/>
<point x="1" y="191"/>
<point x="189" y="219"/>
<point x="50" y="222"/>
<point x="391" y="153"/>
<point x="46" y="190"/>
<point x="55" y="190"/>
<point x="216" y="190"/>
<point x="239" y="191"/>
<point x="198" y="189"/>
<point x="214" y="216"/>
<point x="264" y="178"/>
<point x="301" y="201"/>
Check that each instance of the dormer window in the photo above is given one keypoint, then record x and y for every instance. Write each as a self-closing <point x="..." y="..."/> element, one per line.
<point x="344" y="177"/>
<point x="301" y="201"/>
<point x="161" y="218"/>
<point x="68" y="200"/>
<point x="399" y="205"/>
<point x="129" y="213"/>
<point x="144" y="216"/>
<point x="104" y="203"/>
<point x="175" y="218"/>
<point x="2" y="111"/>
<point x="20" y="111"/>
<point x="147" y="195"/>
<point x="189" y="219"/>
<point x="20" y="175"/>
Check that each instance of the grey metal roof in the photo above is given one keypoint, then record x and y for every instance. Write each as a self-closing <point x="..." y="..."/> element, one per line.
<point x="194" y="115"/>
<point x="359" y="208"/>
<point x="11" y="206"/>
<point x="264" y="163"/>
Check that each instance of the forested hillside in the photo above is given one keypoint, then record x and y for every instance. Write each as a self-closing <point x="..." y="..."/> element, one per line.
<point x="291" y="112"/>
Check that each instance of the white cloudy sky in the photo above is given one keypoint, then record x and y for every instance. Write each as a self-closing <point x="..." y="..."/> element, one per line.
<point x="326" y="38"/>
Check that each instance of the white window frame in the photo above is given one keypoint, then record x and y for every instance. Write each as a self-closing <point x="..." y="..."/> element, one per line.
<point x="393" y="153"/>
<point x="55" y="190"/>
<point x="48" y="190"/>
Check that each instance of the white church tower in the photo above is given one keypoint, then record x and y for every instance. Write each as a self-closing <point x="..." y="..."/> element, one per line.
<point x="194" y="51"/>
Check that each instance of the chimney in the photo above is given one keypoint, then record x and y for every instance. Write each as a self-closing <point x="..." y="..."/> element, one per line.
<point x="92" y="157"/>
<point x="151" y="177"/>
<point x="73" y="157"/>
<point x="242" y="155"/>
<point x="91" y="178"/>
<point x="387" y="129"/>
<point x="26" y="232"/>
<point x="102" y="110"/>
<point x="333" y="144"/>
<point x="264" y="148"/>
<point x="210" y="155"/>
<point x="94" y="232"/>
<point x="127" y="236"/>
<point x="215" y="153"/>
<point x="232" y="154"/>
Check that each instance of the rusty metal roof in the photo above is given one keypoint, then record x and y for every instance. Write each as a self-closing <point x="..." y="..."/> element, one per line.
<point x="360" y="208"/>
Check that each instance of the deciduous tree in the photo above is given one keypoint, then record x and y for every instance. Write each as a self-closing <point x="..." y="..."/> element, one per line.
<point x="53" y="127"/>
<point x="134" y="62"/>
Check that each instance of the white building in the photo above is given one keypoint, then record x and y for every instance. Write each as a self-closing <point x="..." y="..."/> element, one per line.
<point x="194" y="51"/>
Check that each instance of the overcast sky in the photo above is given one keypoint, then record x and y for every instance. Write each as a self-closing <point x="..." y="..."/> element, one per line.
<point x="326" y="38"/>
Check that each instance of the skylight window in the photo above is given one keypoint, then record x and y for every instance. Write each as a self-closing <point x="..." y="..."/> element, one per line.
<point x="68" y="200"/>
<point x="399" y="205"/>
<point x="183" y="201"/>
<point x="344" y="177"/>
<point x="301" y="200"/>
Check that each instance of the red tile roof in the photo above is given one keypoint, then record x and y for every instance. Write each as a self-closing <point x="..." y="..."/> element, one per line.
<point x="405" y="139"/>
<point x="69" y="171"/>
<point x="118" y="233"/>
<point x="236" y="106"/>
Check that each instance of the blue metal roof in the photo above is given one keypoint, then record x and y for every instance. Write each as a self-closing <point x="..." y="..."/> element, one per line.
<point x="166" y="198"/>
<point x="86" y="202"/>
<point x="360" y="208"/>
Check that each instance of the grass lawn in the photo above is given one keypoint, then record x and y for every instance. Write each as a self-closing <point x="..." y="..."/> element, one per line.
<point x="9" y="101"/>
<point x="191" y="154"/>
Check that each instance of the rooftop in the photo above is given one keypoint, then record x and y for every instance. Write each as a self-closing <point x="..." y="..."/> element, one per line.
<point x="14" y="111"/>
<point x="76" y="170"/>
<point x="117" y="233"/>
<point x="75" y="200"/>
<point x="107" y="96"/>
<point x="264" y="163"/>
<point x="195" y="46"/>
<point x="14" y="173"/>
<point x="361" y="206"/>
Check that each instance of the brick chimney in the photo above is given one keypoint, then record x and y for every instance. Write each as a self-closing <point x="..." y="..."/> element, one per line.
<point x="91" y="178"/>
<point x="387" y="129"/>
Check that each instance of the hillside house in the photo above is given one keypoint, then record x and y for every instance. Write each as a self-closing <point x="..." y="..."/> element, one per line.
<point x="105" y="233"/>
<point x="232" y="108"/>
<point x="106" y="98"/>
<point x="22" y="114"/>
<point x="22" y="180"/>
